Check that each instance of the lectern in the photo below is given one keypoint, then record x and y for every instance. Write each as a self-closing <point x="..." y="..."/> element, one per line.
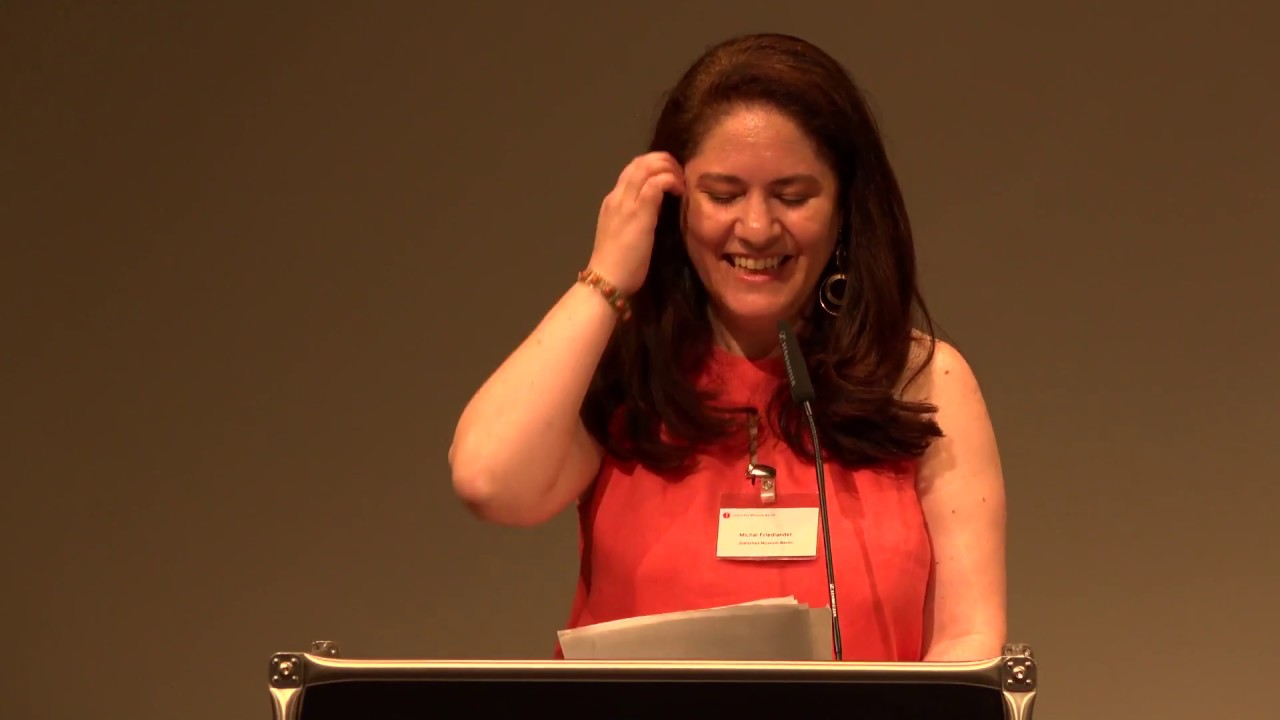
<point x="319" y="685"/>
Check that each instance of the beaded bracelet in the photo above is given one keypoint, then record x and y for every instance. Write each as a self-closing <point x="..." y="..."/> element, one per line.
<point x="615" y="298"/>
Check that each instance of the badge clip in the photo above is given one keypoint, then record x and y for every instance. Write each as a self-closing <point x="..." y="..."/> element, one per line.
<point x="767" y="477"/>
<point x="766" y="474"/>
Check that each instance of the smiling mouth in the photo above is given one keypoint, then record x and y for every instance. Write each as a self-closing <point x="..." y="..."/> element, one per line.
<point x="760" y="265"/>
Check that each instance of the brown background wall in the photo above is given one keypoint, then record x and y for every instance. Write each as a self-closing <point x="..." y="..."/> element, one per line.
<point x="256" y="257"/>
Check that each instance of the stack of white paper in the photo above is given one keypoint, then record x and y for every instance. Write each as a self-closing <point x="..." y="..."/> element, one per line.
<point x="772" y="629"/>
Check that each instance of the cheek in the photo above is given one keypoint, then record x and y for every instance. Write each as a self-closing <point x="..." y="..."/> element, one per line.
<point x="707" y="226"/>
<point x="812" y="230"/>
<point x="813" y="236"/>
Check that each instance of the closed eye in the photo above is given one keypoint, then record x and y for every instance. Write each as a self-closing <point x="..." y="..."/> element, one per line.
<point x="720" y="199"/>
<point x="788" y="200"/>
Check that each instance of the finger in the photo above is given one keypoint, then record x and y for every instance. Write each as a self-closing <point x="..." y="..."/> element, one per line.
<point x="649" y="166"/>
<point x="658" y="184"/>
<point x="644" y="168"/>
<point x="676" y="186"/>
<point x="633" y="177"/>
<point x="664" y="162"/>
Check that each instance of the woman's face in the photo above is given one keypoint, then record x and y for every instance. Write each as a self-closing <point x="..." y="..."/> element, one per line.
<point x="760" y="217"/>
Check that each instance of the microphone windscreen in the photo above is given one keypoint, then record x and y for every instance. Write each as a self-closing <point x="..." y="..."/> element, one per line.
<point x="797" y="372"/>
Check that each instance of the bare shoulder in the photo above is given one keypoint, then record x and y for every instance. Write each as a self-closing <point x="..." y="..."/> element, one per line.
<point x="937" y="373"/>
<point x="967" y="454"/>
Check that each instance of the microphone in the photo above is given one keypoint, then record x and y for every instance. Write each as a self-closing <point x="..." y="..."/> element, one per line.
<point x="802" y="393"/>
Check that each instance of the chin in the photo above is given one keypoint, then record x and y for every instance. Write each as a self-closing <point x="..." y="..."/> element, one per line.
<point x="754" y="311"/>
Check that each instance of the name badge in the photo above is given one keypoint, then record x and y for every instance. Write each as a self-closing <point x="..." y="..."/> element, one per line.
<point x="782" y="530"/>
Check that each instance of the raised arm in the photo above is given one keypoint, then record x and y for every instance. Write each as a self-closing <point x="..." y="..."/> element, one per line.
<point x="520" y="452"/>
<point x="962" y="492"/>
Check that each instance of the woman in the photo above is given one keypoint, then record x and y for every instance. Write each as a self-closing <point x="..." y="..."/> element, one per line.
<point x="652" y="393"/>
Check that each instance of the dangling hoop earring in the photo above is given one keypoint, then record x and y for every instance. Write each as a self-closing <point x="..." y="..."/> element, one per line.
<point x="831" y="293"/>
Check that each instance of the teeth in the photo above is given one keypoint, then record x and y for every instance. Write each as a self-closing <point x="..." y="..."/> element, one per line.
<point x="746" y="263"/>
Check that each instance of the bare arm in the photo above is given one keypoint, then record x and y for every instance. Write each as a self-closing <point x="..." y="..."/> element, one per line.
<point x="962" y="492"/>
<point x="520" y="452"/>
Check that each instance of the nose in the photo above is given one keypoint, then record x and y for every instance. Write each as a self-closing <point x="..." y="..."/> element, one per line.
<point x="756" y="225"/>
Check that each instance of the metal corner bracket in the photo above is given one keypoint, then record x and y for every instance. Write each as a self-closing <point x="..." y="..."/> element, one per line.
<point x="1018" y="681"/>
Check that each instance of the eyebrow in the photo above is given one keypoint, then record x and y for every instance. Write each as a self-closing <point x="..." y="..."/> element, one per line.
<point x="735" y="180"/>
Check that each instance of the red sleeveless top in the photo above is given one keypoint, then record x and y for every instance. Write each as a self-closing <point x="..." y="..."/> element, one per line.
<point x="648" y="543"/>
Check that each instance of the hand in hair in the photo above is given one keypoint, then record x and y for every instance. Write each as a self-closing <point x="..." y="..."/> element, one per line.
<point x="628" y="216"/>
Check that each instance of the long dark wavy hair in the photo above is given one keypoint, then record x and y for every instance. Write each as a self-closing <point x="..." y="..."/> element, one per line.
<point x="642" y="404"/>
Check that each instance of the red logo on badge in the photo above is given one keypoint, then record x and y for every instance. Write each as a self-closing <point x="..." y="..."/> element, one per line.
<point x="726" y="513"/>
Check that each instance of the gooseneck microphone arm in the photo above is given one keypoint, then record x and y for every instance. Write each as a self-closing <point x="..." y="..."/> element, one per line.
<point x="802" y="393"/>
